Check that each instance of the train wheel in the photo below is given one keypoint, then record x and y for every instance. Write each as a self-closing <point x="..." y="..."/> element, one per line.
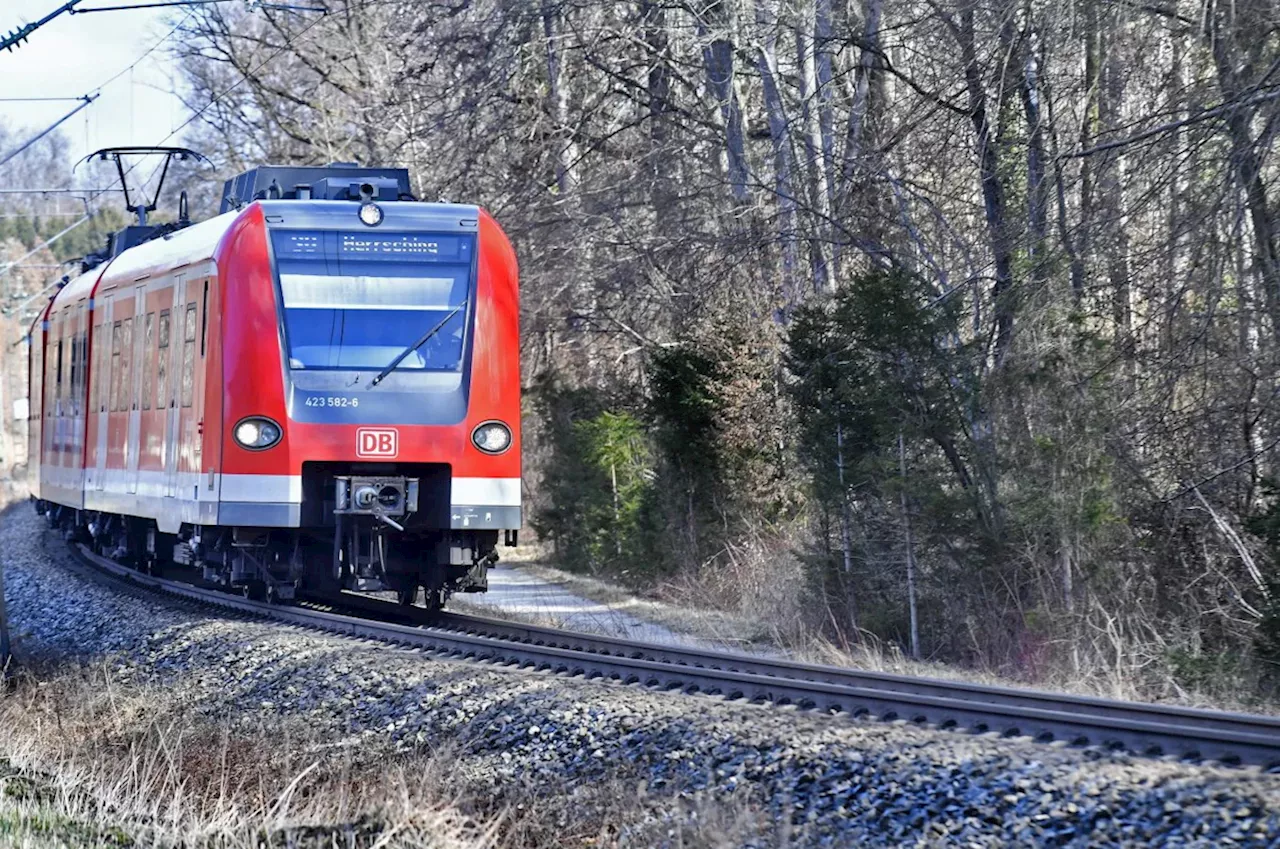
<point x="407" y="593"/>
<point x="255" y="591"/>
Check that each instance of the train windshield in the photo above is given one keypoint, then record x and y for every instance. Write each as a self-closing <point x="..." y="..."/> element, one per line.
<point x="356" y="300"/>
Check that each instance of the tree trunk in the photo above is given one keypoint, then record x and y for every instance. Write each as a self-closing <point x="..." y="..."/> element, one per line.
<point x="1037" y="185"/>
<point x="846" y="536"/>
<point x="1246" y="161"/>
<point x="717" y="58"/>
<point x="1113" y="235"/>
<point x="859" y="108"/>
<point x="779" y="136"/>
<point x="658" y="88"/>
<point x="911" y="554"/>
<point x="815" y="165"/>
<point x="992" y="192"/>
<point x="558" y="102"/>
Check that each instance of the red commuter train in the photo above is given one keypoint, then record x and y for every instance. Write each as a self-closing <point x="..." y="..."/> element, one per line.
<point x="318" y="388"/>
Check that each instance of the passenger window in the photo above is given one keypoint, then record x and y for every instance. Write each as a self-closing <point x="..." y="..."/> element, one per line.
<point x="148" y="360"/>
<point x="204" y="320"/>
<point x="96" y="374"/>
<point x="57" y="378"/>
<point x="126" y="363"/>
<point x="115" y="367"/>
<point x="189" y="355"/>
<point x="75" y="374"/>
<point x="102" y="343"/>
<point x="162" y="366"/>
<point x="74" y="370"/>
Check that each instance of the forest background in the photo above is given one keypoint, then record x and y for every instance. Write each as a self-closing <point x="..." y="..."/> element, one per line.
<point x="951" y="326"/>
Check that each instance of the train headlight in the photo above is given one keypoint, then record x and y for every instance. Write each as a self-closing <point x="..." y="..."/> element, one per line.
<point x="492" y="437"/>
<point x="370" y="214"/>
<point x="257" y="433"/>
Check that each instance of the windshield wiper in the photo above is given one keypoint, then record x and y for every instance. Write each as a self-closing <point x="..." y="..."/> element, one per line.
<point x="422" y="340"/>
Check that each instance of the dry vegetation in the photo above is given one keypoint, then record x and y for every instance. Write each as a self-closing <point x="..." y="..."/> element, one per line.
<point x="709" y="605"/>
<point x="86" y="759"/>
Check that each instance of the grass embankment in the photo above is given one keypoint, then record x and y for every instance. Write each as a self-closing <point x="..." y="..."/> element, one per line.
<point x="90" y="760"/>
<point x="697" y="607"/>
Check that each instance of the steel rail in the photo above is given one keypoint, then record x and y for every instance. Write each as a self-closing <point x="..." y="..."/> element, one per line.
<point x="1155" y="730"/>
<point x="783" y="668"/>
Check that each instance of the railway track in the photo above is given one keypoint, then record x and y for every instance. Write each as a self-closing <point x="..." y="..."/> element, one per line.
<point x="1145" y="729"/>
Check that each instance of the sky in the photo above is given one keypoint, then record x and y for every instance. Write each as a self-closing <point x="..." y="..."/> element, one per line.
<point x="74" y="55"/>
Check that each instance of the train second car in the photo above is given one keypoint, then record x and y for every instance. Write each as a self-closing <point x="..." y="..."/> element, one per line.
<point x="317" y="388"/>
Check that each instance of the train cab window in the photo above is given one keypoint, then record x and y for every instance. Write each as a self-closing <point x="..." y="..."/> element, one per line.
<point x="148" y="360"/>
<point x="162" y="362"/>
<point x="189" y="355"/>
<point x="357" y="300"/>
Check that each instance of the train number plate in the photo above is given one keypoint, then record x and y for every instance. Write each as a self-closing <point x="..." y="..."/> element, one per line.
<point x="377" y="442"/>
<point x="331" y="401"/>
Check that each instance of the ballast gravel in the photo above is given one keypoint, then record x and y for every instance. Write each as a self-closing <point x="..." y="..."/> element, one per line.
<point x="828" y="781"/>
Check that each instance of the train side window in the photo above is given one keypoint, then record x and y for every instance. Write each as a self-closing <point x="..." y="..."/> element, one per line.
<point x="102" y="342"/>
<point x="77" y="371"/>
<point x="189" y="355"/>
<point x="162" y="364"/>
<point x="204" y="320"/>
<point x="73" y="371"/>
<point x="50" y="359"/>
<point x="115" y="367"/>
<point x="82" y="371"/>
<point x="57" y="378"/>
<point x="126" y="363"/>
<point x="148" y="360"/>
<point x="75" y="374"/>
<point x="96" y="373"/>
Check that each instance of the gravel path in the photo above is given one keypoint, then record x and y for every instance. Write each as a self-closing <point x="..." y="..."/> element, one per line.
<point x="829" y="782"/>
<point x="527" y="597"/>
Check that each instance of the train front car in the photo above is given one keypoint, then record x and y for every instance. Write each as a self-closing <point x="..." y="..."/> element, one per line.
<point x="371" y="389"/>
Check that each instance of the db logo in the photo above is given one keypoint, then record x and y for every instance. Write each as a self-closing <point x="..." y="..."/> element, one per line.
<point x="377" y="442"/>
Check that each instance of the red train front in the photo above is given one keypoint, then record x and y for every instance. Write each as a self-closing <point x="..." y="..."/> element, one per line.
<point x="319" y="388"/>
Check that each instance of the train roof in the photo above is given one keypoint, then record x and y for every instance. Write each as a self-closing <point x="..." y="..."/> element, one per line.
<point x="175" y="250"/>
<point x="190" y="244"/>
<point x="78" y="289"/>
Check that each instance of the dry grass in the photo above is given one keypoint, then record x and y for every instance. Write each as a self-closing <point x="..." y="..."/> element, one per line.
<point x="754" y="598"/>
<point x="680" y="606"/>
<point x="86" y="759"/>
<point x="130" y="759"/>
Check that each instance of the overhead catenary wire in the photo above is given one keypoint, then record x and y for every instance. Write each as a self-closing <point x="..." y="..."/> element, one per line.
<point x="46" y="243"/>
<point x="39" y="99"/>
<point x="287" y="43"/>
<point x="194" y="116"/>
<point x="88" y="98"/>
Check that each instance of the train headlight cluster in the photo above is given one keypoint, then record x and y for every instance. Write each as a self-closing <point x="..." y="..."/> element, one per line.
<point x="257" y="433"/>
<point x="492" y="437"/>
<point x="370" y="214"/>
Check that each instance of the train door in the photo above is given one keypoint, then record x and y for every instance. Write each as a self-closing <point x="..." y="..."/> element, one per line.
<point x="83" y="319"/>
<point x="134" y="389"/>
<point x="35" y="404"/>
<point x="102" y="402"/>
<point x="171" y="334"/>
